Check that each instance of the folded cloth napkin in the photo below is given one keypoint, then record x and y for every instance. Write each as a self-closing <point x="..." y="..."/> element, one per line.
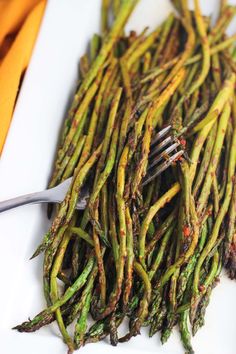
<point x="19" y="24"/>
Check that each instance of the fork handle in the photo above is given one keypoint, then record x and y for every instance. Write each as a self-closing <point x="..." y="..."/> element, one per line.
<point x="32" y="198"/>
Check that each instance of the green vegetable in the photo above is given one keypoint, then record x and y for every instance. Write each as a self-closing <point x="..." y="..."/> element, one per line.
<point x="150" y="253"/>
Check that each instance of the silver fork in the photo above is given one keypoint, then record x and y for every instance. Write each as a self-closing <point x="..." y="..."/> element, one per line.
<point x="173" y="151"/>
<point x="162" y="155"/>
<point x="52" y="195"/>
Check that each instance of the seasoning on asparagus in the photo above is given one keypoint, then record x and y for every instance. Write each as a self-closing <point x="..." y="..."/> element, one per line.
<point x="149" y="252"/>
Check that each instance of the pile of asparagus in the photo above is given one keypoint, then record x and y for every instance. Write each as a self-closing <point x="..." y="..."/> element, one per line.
<point x="151" y="254"/>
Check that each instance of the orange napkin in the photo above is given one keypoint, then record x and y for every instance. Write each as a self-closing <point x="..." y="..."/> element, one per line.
<point x="19" y="24"/>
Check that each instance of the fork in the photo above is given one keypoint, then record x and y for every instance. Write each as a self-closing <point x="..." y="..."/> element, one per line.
<point x="162" y="155"/>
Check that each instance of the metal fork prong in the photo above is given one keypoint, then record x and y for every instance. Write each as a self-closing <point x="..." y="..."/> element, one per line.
<point x="162" y="167"/>
<point x="163" y="155"/>
<point x="160" y="146"/>
<point x="161" y="134"/>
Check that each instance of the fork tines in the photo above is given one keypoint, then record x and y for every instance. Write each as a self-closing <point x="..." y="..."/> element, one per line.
<point x="159" y="158"/>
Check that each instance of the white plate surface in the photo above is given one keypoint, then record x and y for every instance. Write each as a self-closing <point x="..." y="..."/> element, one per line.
<point x="25" y="167"/>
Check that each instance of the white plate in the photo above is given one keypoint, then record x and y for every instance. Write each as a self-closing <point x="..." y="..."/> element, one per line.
<point x="25" y="167"/>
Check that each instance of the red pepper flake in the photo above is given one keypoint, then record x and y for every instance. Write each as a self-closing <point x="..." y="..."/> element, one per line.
<point x="201" y="288"/>
<point x="186" y="231"/>
<point x="74" y="124"/>
<point x="179" y="158"/>
<point x="209" y="212"/>
<point x="232" y="247"/>
<point x="217" y="70"/>
<point x="183" y="142"/>
<point x="122" y="233"/>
